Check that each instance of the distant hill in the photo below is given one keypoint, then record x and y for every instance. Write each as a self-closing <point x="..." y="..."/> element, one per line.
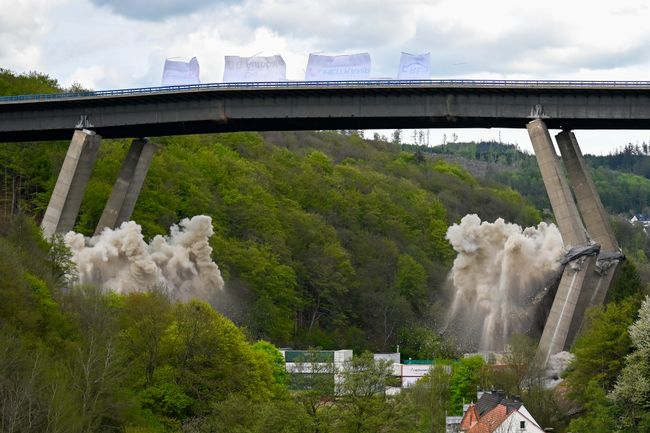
<point x="622" y="178"/>
<point x="630" y="158"/>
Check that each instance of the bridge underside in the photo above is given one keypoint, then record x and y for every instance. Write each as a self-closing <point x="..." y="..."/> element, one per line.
<point x="311" y="124"/>
<point x="226" y="110"/>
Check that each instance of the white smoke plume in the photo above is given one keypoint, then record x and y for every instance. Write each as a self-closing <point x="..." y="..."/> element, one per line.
<point x="557" y="364"/>
<point x="122" y="261"/>
<point x="499" y="276"/>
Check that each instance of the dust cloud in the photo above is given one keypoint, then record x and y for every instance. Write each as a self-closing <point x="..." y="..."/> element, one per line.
<point x="500" y="275"/>
<point x="557" y="364"/>
<point x="179" y="264"/>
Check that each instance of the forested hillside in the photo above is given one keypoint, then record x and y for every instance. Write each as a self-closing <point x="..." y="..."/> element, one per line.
<point x="622" y="177"/>
<point x="324" y="239"/>
<point x="632" y="158"/>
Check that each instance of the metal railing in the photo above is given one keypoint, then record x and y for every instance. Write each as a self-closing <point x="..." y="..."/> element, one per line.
<point x="569" y="84"/>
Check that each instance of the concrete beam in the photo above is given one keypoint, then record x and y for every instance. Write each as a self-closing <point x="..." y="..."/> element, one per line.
<point x="63" y="208"/>
<point x="126" y="189"/>
<point x="564" y="207"/>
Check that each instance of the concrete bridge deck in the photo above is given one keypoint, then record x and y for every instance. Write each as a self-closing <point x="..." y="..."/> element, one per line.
<point x="298" y="105"/>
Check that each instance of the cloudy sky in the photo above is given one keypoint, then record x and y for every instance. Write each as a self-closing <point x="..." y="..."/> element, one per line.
<point x="106" y="44"/>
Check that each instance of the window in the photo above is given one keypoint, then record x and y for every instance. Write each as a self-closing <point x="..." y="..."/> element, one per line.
<point x="522" y="425"/>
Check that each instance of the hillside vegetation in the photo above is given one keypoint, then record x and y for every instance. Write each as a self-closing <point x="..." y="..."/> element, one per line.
<point x="620" y="177"/>
<point x="327" y="240"/>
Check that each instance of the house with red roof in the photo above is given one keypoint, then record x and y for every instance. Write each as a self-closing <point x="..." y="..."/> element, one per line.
<point x="495" y="413"/>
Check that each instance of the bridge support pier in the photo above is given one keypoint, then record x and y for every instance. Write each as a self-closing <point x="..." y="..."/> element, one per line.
<point x="557" y="187"/>
<point x="126" y="189"/>
<point x="591" y="208"/>
<point x="586" y="278"/>
<point x="597" y="222"/>
<point x="558" y="332"/>
<point x="77" y="167"/>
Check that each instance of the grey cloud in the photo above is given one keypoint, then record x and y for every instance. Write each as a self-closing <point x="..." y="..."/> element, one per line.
<point x="335" y="25"/>
<point x="20" y="29"/>
<point x="341" y="26"/>
<point x="623" y="57"/>
<point x="458" y="52"/>
<point x="530" y="49"/>
<point x="146" y="10"/>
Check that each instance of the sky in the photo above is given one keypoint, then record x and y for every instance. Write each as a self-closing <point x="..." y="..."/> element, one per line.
<point x="109" y="44"/>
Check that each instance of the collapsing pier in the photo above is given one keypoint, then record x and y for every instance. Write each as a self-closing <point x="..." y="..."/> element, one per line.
<point x="593" y="253"/>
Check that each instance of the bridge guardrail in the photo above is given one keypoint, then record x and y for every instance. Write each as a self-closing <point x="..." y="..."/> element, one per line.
<point x="333" y="84"/>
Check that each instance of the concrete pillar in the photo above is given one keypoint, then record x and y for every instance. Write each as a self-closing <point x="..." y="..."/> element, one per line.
<point x="560" y="329"/>
<point x="63" y="209"/>
<point x="564" y="207"/>
<point x="597" y="222"/>
<point x="591" y="208"/>
<point x="126" y="189"/>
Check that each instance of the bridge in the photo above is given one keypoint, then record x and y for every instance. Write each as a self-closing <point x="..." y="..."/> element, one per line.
<point x="379" y="104"/>
<point x="298" y="105"/>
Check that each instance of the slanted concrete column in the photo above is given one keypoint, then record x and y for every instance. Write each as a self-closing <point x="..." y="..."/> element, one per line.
<point x="591" y="208"/>
<point x="564" y="208"/>
<point x="63" y="209"/>
<point x="126" y="189"/>
<point x="597" y="222"/>
<point x="566" y="312"/>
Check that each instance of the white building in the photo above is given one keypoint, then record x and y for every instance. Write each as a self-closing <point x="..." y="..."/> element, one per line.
<point x="495" y="413"/>
<point x="642" y="219"/>
<point x="308" y="367"/>
<point x="303" y="364"/>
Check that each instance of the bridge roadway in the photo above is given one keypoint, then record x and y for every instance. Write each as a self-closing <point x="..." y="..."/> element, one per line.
<point x="299" y="105"/>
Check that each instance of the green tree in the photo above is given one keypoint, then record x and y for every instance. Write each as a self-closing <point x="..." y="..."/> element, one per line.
<point x="465" y="379"/>
<point x="599" y="416"/>
<point x="96" y="372"/>
<point x="233" y="415"/>
<point x="145" y="318"/>
<point x="26" y="83"/>
<point x="23" y="405"/>
<point x="430" y="399"/>
<point x="632" y="390"/>
<point x="213" y="359"/>
<point x="274" y="358"/>
<point x="519" y="358"/>
<point x="601" y="348"/>
<point x="626" y="283"/>
<point x="421" y="342"/>
<point x="312" y="383"/>
<point x="363" y="405"/>
<point x="411" y="280"/>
